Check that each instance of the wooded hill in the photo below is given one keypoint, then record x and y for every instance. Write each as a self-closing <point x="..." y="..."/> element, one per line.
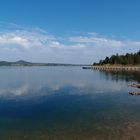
<point x="127" y="59"/>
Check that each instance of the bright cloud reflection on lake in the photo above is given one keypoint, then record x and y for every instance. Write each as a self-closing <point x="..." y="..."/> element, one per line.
<point x="67" y="103"/>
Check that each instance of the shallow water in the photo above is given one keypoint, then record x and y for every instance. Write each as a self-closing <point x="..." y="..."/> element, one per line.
<point x="67" y="103"/>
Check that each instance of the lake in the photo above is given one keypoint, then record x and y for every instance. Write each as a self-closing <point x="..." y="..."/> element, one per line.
<point x="67" y="103"/>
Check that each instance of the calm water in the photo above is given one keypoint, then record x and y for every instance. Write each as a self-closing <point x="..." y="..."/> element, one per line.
<point x="67" y="103"/>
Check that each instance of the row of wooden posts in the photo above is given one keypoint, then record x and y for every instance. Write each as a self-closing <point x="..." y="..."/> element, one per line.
<point x="117" y="68"/>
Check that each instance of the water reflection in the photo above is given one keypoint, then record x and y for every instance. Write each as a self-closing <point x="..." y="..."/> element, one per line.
<point x="128" y="76"/>
<point x="34" y="82"/>
<point x="70" y="103"/>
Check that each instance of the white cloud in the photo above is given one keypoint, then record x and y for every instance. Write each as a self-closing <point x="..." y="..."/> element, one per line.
<point x="90" y="46"/>
<point x="106" y="46"/>
<point x="93" y="33"/>
<point x="8" y="39"/>
<point x="25" y="38"/>
<point x="56" y="44"/>
<point x="97" y="41"/>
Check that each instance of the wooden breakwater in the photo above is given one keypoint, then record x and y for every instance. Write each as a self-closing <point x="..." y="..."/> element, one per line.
<point x="117" y="68"/>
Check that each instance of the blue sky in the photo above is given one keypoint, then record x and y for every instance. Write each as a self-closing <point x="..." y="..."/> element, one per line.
<point x="68" y="31"/>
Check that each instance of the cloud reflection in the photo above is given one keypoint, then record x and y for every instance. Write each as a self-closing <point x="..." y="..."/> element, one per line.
<point x="42" y="83"/>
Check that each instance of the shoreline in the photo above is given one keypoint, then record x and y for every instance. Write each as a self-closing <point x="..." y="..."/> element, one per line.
<point x="116" y="68"/>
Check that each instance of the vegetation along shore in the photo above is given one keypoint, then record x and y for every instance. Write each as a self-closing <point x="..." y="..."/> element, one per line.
<point x="127" y="62"/>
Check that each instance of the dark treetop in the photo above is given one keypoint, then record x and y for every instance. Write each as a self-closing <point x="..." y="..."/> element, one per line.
<point x="127" y="59"/>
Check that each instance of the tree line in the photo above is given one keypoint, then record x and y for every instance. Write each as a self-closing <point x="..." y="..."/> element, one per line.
<point x="127" y="59"/>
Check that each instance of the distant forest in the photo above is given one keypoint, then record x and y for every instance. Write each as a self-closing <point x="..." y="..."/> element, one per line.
<point x="127" y="59"/>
